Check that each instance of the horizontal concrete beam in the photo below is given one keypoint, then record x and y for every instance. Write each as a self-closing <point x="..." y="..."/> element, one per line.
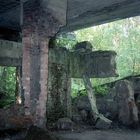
<point x="10" y="62"/>
<point x="79" y="13"/>
<point x="10" y="53"/>
<point x="98" y="64"/>
<point x="87" y="13"/>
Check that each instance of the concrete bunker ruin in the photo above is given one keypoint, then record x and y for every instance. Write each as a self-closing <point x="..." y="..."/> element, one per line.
<point x="63" y="65"/>
<point x="40" y="20"/>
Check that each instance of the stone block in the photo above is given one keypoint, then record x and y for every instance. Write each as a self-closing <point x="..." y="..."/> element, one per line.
<point x="103" y="123"/>
<point x="84" y="46"/>
<point x="64" y="124"/>
<point x="96" y="64"/>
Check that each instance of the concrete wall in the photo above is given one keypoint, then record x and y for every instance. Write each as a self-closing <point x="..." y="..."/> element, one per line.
<point x="64" y="65"/>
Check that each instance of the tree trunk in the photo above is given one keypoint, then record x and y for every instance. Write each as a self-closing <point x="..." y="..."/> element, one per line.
<point x="101" y="121"/>
<point x="18" y="92"/>
<point x="91" y="97"/>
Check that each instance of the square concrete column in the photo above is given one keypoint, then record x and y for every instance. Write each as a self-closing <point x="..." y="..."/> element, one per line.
<point x="39" y="25"/>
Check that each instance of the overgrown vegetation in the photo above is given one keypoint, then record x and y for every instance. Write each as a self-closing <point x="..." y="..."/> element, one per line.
<point x="7" y="86"/>
<point x="121" y="36"/>
<point x="78" y="88"/>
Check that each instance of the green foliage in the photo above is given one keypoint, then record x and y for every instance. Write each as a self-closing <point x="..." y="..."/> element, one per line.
<point x="101" y="90"/>
<point x="122" y="36"/>
<point x="77" y="85"/>
<point x="66" y="40"/>
<point x="7" y="86"/>
<point x="78" y="88"/>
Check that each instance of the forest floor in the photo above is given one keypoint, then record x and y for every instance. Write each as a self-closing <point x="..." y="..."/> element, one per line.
<point x="101" y="135"/>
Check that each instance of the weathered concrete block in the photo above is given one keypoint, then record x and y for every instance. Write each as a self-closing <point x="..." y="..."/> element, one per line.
<point x="127" y="110"/>
<point x="64" y="124"/>
<point x="103" y="123"/>
<point x="94" y="64"/>
<point x="98" y="64"/>
<point x="10" y="49"/>
<point x="10" y="53"/>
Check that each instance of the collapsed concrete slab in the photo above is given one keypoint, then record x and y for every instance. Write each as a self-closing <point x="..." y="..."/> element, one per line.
<point x="103" y="122"/>
<point x="127" y="110"/>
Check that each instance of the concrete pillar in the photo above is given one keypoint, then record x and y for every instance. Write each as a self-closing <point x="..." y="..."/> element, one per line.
<point x="59" y="94"/>
<point x="35" y="74"/>
<point x="39" y="24"/>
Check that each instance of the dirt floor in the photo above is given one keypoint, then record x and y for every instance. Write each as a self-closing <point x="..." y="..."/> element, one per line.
<point x="101" y="135"/>
<point x="113" y="134"/>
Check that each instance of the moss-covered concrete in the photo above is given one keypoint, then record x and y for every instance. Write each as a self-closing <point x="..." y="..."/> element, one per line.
<point x="64" y="65"/>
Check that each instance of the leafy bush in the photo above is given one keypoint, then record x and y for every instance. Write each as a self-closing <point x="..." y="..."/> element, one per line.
<point x="7" y="86"/>
<point x="101" y="90"/>
<point x="78" y="88"/>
